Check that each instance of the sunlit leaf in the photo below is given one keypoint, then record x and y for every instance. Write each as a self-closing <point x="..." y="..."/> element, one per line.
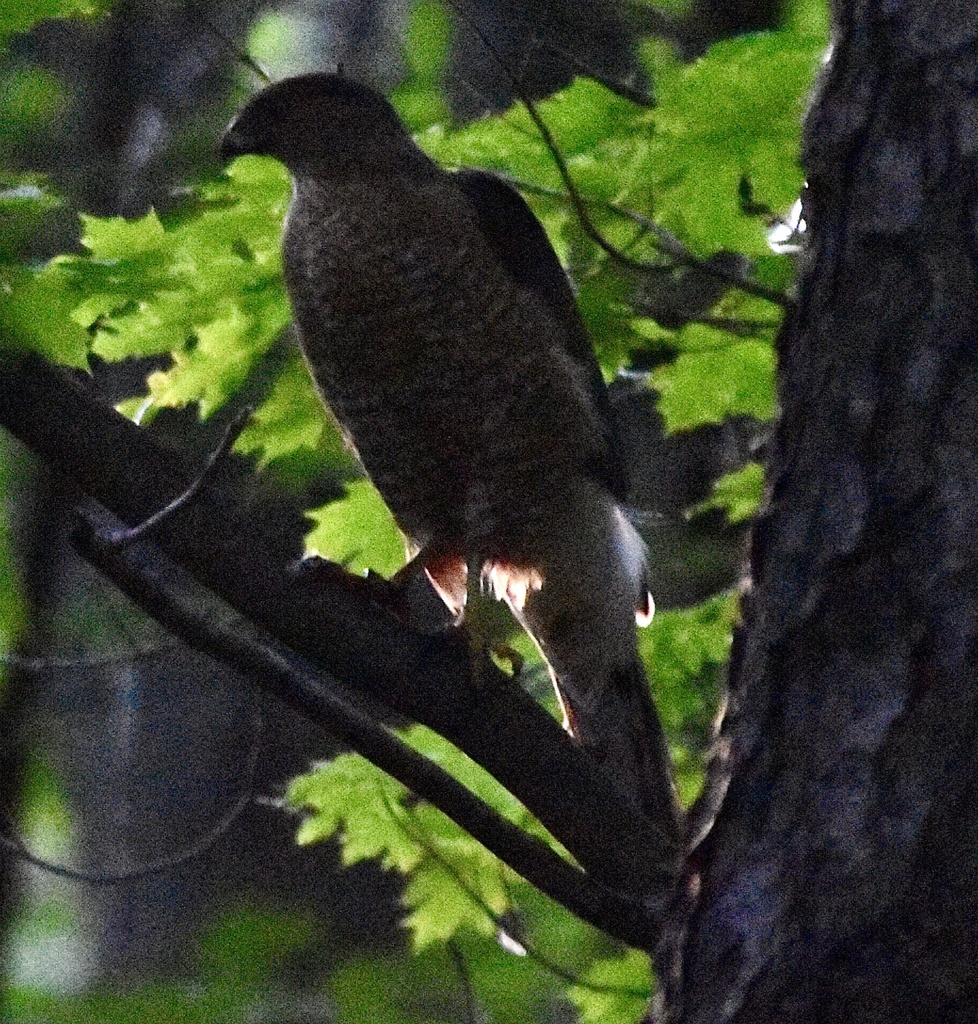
<point x="734" y="113"/>
<point x="738" y="493"/>
<point x="715" y="376"/>
<point x="36" y="315"/>
<point x="684" y="650"/>
<point x="204" y="285"/>
<point x="615" y="990"/>
<point x="454" y="883"/>
<point x="357" y="531"/>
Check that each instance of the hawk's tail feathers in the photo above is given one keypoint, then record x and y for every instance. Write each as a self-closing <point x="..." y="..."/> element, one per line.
<point x="618" y="722"/>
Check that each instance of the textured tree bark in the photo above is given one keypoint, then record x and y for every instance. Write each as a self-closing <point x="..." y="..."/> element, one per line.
<point x="840" y="880"/>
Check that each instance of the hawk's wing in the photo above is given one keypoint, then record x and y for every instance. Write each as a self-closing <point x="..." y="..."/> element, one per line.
<point x="519" y="241"/>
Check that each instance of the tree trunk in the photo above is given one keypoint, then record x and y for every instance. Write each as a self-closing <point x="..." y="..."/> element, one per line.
<point x="840" y="880"/>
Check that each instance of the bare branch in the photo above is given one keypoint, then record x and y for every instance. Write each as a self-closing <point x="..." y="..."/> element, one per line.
<point x="242" y="540"/>
<point x="11" y="840"/>
<point x="157" y="588"/>
<point x="417" y="835"/>
<point x="665" y="241"/>
<point x="129" y="535"/>
<point x="471" y="1004"/>
<point x="240" y="54"/>
<point x="574" y="196"/>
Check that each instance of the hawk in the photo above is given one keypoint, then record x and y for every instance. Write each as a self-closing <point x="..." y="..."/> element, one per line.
<point x="441" y="331"/>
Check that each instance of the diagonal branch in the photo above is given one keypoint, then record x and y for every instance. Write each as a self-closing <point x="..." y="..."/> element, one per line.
<point x="241" y="540"/>
<point x="156" y="586"/>
<point x="664" y="240"/>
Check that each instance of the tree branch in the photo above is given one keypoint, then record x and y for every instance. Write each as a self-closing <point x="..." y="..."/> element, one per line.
<point x="157" y="588"/>
<point x="664" y="240"/>
<point x="580" y="204"/>
<point x="10" y="840"/>
<point x="241" y="540"/>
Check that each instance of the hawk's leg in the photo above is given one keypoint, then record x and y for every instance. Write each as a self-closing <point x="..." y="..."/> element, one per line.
<point x="447" y="573"/>
<point x="314" y="571"/>
<point x="406" y="596"/>
<point x="432" y="581"/>
<point x="464" y="595"/>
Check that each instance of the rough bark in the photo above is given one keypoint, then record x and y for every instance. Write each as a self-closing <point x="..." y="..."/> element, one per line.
<point x="840" y="880"/>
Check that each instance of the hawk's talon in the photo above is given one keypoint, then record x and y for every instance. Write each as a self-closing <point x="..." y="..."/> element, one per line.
<point x="512" y="583"/>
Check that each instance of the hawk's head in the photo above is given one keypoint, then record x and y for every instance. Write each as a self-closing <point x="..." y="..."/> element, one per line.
<point x="319" y="122"/>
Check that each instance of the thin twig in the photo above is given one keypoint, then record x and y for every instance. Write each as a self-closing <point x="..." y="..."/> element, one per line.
<point x="663" y="238"/>
<point x="124" y="536"/>
<point x="14" y="843"/>
<point x="573" y="195"/>
<point x="38" y="664"/>
<point x="458" y="958"/>
<point x="241" y="55"/>
<point x="417" y="835"/>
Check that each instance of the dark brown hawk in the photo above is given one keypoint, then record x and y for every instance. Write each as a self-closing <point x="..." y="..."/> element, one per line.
<point x="440" y="329"/>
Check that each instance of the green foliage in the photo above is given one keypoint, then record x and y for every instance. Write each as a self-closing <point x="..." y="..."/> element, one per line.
<point x="206" y="287"/>
<point x="47" y="820"/>
<point x="454" y="885"/>
<point x="715" y="376"/>
<point x="387" y="989"/>
<point x="613" y="990"/>
<point x="738" y="493"/>
<point x="25" y="202"/>
<point x="239" y="957"/>
<point x="35" y="315"/>
<point x="723" y="124"/>
<point x="727" y="117"/>
<point x="30" y="101"/>
<point x="21" y="15"/>
<point x="684" y="650"/>
<point x="271" y="42"/>
<point x="418" y="97"/>
<point x="458" y="901"/>
<point x="680" y="644"/>
<point x="290" y="419"/>
<point x="358" y="532"/>
<point x="245" y="947"/>
<point x="199" y="288"/>
<point x="442" y="984"/>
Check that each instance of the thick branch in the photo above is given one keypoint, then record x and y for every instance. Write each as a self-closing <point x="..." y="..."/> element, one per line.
<point x="241" y="541"/>
<point x="157" y="588"/>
